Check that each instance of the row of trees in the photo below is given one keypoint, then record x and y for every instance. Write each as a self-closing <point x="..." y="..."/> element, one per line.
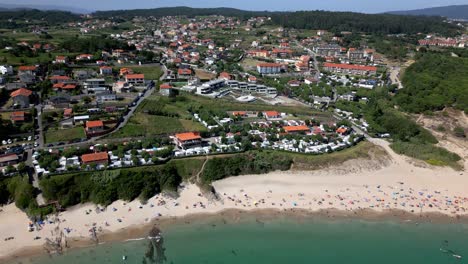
<point x="332" y="21"/>
<point x="247" y="163"/>
<point x="105" y="187"/>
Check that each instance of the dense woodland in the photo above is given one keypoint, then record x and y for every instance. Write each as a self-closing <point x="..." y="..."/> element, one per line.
<point x="355" y="22"/>
<point x="93" y="44"/>
<point x="332" y="21"/>
<point x="435" y="81"/>
<point x="11" y="19"/>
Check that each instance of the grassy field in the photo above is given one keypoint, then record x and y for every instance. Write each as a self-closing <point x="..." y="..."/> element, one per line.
<point x="64" y="135"/>
<point x="150" y="72"/>
<point x="178" y="119"/>
<point x="142" y="124"/>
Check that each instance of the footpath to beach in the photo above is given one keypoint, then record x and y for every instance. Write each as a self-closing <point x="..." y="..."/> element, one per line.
<point x="396" y="184"/>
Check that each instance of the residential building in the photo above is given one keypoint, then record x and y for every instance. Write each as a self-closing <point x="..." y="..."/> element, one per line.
<point x="95" y="158"/>
<point x="166" y="90"/>
<point x="105" y="97"/>
<point x="188" y="140"/>
<point x="84" y="57"/>
<point x="94" y="126"/>
<point x="135" y="78"/>
<point x="271" y="115"/>
<point x="61" y="59"/>
<point x="327" y="50"/>
<point x="21" y="97"/>
<point x="281" y="53"/>
<point x="350" y="69"/>
<point x="105" y="70"/>
<point x="184" y="73"/>
<point x="27" y="70"/>
<point x="296" y="129"/>
<point x="9" y="159"/>
<point x="269" y="68"/>
<point x="18" y="117"/>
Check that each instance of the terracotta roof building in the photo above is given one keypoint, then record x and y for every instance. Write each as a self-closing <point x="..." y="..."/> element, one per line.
<point x="96" y="158"/>
<point x="350" y="69"/>
<point x="188" y="140"/>
<point x="296" y="129"/>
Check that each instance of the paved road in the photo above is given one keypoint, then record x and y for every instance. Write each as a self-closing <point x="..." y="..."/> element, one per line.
<point x="126" y="118"/>
<point x="33" y="177"/>
<point x="40" y="140"/>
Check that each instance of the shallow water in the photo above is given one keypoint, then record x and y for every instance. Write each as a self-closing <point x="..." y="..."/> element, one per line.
<point x="288" y="241"/>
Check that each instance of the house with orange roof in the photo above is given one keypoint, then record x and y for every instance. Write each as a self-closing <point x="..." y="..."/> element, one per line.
<point x="239" y="113"/>
<point x="188" y="140"/>
<point x="94" y="126"/>
<point x="59" y="79"/>
<point x="61" y="59"/>
<point x="224" y="75"/>
<point x="166" y="89"/>
<point x="252" y="79"/>
<point x="135" y="78"/>
<point x="95" y="158"/>
<point x="27" y="70"/>
<point x="21" y="97"/>
<point x="184" y="73"/>
<point x="125" y="71"/>
<point x="271" y="115"/>
<point x="296" y="129"/>
<point x="342" y="130"/>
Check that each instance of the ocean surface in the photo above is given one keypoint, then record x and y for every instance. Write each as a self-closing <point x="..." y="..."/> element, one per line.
<point x="288" y="241"/>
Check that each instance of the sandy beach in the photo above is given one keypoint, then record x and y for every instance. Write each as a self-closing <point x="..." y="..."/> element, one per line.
<point x="398" y="186"/>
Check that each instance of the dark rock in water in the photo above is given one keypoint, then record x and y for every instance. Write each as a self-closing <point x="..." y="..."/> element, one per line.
<point x="155" y="253"/>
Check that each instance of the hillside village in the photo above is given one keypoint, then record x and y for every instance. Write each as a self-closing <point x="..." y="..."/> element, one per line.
<point x="87" y="97"/>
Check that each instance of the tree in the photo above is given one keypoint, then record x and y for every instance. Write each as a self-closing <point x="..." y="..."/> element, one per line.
<point x="21" y="167"/>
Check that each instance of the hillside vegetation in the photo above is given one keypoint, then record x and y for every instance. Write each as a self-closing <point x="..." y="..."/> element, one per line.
<point x="435" y="81"/>
<point x="332" y="21"/>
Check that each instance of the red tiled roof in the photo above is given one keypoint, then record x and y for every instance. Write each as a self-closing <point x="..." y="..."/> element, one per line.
<point x="289" y="129"/>
<point x="17" y="116"/>
<point x="135" y="76"/>
<point x="188" y="136"/>
<point x="269" y="65"/>
<point x="165" y="86"/>
<point x="271" y="113"/>
<point x="97" y="123"/>
<point x="239" y="113"/>
<point x="21" y="91"/>
<point x="69" y="86"/>
<point x="184" y="71"/>
<point x="59" y="77"/>
<point x="27" y="68"/>
<point x="341" y="130"/>
<point x="350" y="66"/>
<point x="93" y="157"/>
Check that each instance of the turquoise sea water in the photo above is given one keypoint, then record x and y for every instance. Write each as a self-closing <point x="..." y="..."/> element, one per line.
<point x="289" y="241"/>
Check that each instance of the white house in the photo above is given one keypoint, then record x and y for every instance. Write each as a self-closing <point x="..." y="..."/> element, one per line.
<point x="6" y="70"/>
